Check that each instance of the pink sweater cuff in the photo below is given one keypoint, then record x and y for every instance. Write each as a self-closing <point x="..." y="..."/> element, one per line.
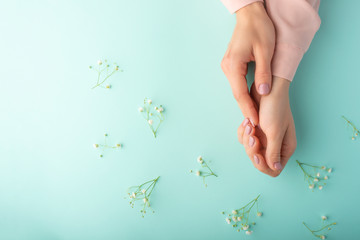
<point x="285" y="61"/>
<point x="234" y="5"/>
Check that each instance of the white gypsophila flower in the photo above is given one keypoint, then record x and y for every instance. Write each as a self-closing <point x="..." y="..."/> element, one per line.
<point x="228" y="220"/>
<point x="234" y="212"/>
<point x="151" y="122"/>
<point x="108" y="86"/>
<point x="117" y="68"/>
<point x="323" y="237"/>
<point x="326" y="177"/>
<point x="149" y="101"/>
<point x="156" y="108"/>
<point x="323" y="217"/>
<point x="95" y="145"/>
<point x="234" y="219"/>
<point x="245" y="227"/>
<point x="311" y="186"/>
<point x="239" y="219"/>
<point x="352" y="138"/>
<point x="161" y="109"/>
<point x="118" y="145"/>
<point x="320" y="187"/>
<point x="318" y="174"/>
<point x="323" y="167"/>
<point x="200" y="159"/>
<point x="330" y="170"/>
<point x="198" y="173"/>
<point x="133" y="195"/>
<point x="145" y="200"/>
<point x="249" y="232"/>
<point x="259" y="214"/>
<point x="316" y="180"/>
<point x="141" y="109"/>
<point x="99" y="62"/>
<point x="143" y="191"/>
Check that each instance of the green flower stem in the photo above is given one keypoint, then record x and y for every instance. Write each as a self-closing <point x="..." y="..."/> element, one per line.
<point x="98" y="84"/>
<point x="313" y="232"/>
<point x="211" y="172"/>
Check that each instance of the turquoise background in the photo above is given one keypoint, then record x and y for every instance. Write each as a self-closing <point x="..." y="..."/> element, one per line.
<point x="54" y="186"/>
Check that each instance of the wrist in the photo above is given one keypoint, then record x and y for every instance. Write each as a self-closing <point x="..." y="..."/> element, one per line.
<point x="280" y="86"/>
<point x="252" y="9"/>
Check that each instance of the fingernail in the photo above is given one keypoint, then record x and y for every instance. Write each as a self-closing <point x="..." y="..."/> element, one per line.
<point x="264" y="88"/>
<point x="256" y="159"/>
<point x="246" y="121"/>
<point x="252" y="123"/>
<point x="248" y="130"/>
<point x="251" y="141"/>
<point x="278" y="166"/>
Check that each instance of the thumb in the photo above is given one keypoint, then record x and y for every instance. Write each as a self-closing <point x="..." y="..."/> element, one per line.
<point x="273" y="154"/>
<point x="263" y="76"/>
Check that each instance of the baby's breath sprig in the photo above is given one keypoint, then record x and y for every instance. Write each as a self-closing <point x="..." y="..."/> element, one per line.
<point x="355" y="131"/>
<point x="104" y="72"/>
<point x="239" y="218"/>
<point x="315" y="179"/>
<point x="105" y="145"/>
<point x="153" y="115"/>
<point x="320" y="233"/>
<point x="203" y="174"/>
<point x="142" y="193"/>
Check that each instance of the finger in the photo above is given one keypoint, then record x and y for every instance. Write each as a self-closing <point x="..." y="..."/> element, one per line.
<point x="273" y="153"/>
<point x="263" y="77"/>
<point x="253" y="149"/>
<point x="289" y="144"/>
<point x="241" y="129"/>
<point x="235" y="71"/>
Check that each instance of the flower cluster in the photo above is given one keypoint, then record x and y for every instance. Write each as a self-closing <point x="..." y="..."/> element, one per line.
<point x="104" y="72"/>
<point x="105" y="145"/>
<point x="203" y="174"/>
<point x="153" y="115"/>
<point x="239" y="218"/>
<point x="355" y="131"/>
<point x="320" y="233"/>
<point x="318" y="176"/>
<point x="142" y="193"/>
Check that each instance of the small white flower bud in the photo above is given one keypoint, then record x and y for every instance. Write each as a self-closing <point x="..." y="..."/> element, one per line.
<point x="156" y="108"/>
<point x="323" y="237"/>
<point x="143" y="191"/>
<point x="245" y="227"/>
<point x="141" y="109"/>
<point x="149" y="101"/>
<point x="228" y="220"/>
<point x="118" y="145"/>
<point x="330" y="170"/>
<point x="133" y="195"/>
<point x="161" y="109"/>
<point x="198" y="173"/>
<point x="145" y="200"/>
<point x="116" y="68"/>
<point x="200" y="159"/>
<point x="99" y="62"/>
<point x="259" y="214"/>
<point x="320" y="187"/>
<point x="318" y="174"/>
<point x="311" y="186"/>
<point x="234" y="219"/>
<point x="108" y="86"/>
<point x="316" y="180"/>
<point x="239" y="219"/>
<point x="249" y="232"/>
<point x="352" y="138"/>
<point x="323" y="167"/>
<point x="95" y="145"/>
<point x="151" y="122"/>
<point x="234" y="212"/>
<point x="326" y="177"/>
<point x="323" y="217"/>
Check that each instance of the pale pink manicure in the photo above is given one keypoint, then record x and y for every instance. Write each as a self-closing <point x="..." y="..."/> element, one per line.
<point x="278" y="166"/>
<point x="252" y="123"/>
<point x="246" y="121"/>
<point x="256" y="159"/>
<point x="251" y="141"/>
<point x="264" y="88"/>
<point x="248" y="130"/>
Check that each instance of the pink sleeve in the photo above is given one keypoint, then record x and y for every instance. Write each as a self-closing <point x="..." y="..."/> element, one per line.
<point x="234" y="5"/>
<point x="296" y="22"/>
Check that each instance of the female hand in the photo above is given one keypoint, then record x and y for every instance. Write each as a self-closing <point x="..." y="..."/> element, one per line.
<point x="253" y="40"/>
<point x="271" y="144"/>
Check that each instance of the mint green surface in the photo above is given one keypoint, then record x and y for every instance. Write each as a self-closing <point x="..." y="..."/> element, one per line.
<point x="53" y="185"/>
